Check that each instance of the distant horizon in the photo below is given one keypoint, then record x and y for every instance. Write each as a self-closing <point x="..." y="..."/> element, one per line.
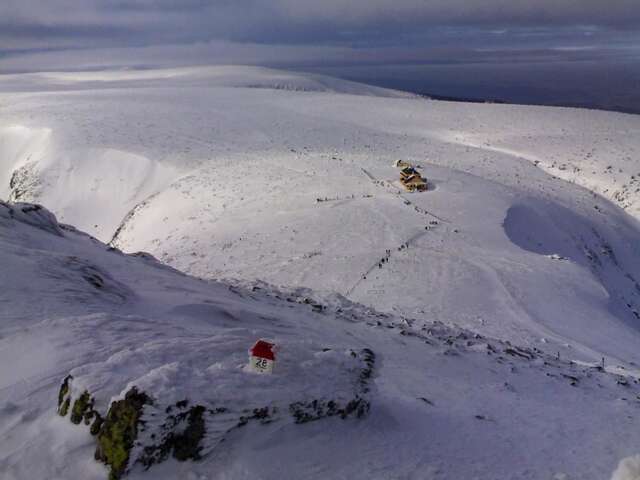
<point x="577" y="53"/>
<point x="436" y="81"/>
<point x="508" y="84"/>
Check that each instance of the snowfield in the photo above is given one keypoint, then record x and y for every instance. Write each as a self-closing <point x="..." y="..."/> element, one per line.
<point x="488" y="303"/>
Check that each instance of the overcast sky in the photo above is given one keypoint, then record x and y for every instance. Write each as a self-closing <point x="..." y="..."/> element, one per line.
<point x="76" y="34"/>
<point x="571" y="52"/>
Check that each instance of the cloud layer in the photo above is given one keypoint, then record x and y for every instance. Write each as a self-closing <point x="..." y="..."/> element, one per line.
<point x="327" y="30"/>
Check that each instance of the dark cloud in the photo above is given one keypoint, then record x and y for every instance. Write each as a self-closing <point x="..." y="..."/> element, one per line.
<point x="331" y="31"/>
<point x="303" y="20"/>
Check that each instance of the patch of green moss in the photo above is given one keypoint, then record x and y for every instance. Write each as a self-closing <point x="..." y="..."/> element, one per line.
<point x="119" y="431"/>
<point x="81" y="407"/>
<point x="64" y="408"/>
<point x="63" y="394"/>
<point x="97" y="424"/>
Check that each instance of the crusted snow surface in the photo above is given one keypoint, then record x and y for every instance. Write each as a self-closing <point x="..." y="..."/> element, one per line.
<point x="295" y="186"/>
<point x="445" y="402"/>
<point x="292" y="184"/>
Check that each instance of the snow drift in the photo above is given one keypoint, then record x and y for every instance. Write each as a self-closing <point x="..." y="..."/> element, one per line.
<point x="629" y="469"/>
<point x="501" y="305"/>
<point x="429" y="389"/>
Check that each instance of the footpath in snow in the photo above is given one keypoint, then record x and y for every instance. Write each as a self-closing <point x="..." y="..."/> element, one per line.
<point x="460" y="332"/>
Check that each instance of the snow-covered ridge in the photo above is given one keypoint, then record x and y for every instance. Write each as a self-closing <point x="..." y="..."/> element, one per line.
<point x="497" y="293"/>
<point x="209" y="77"/>
<point x="79" y="180"/>
<point x="224" y="182"/>
<point x="20" y="147"/>
<point x="597" y="150"/>
<point x="184" y="343"/>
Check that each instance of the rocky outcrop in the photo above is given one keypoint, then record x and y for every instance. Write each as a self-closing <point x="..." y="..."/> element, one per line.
<point x="31" y="214"/>
<point x="25" y="183"/>
<point x="82" y="411"/>
<point x="119" y="431"/>
<point x="141" y="430"/>
<point x="358" y="406"/>
<point x="64" y="396"/>
<point x="182" y="435"/>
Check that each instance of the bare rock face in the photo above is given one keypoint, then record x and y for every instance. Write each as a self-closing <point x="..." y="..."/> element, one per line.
<point x="25" y="183"/>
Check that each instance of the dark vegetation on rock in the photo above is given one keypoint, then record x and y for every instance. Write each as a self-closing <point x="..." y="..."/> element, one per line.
<point x="358" y="406"/>
<point x="186" y="444"/>
<point x="80" y="407"/>
<point x="264" y="415"/>
<point x="64" y="399"/>
<point x="304" y="412"/>
<point x="119" y="431"/>
<point x="179" y="429"/>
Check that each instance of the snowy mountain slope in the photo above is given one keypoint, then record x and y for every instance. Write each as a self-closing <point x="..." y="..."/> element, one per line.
<point x="295" y="187"/>
<point x="218" y="76"/>
<point x="34" y="165"/>
<point x="75" y="166"/>
<point x="597" y="150"/>
<point x="444" y="403"/>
